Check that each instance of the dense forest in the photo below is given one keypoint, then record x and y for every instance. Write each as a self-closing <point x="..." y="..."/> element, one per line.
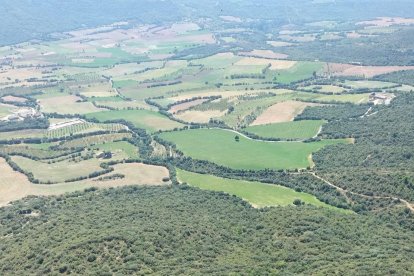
<point x="176" y="231"/>
<point x="395" y="48"/>
<point x="381" y="160"/>
<point x="405" y="77"/>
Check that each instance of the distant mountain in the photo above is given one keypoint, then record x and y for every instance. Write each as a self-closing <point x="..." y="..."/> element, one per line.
<point x="31" y="19"/>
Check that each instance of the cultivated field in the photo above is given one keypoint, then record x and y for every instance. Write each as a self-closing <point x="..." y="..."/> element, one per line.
<point x="281" y="112"/>
<point x="14" y="185"/>
<point x="347" y="70"/>
<point x="219" y="146"/>
<point x="146" y="119"/>
<point x="287" y="130"/>
<point x="69" y="104"/>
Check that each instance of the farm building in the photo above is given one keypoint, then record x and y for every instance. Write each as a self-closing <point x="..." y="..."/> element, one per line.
<point x="381" y="98"/>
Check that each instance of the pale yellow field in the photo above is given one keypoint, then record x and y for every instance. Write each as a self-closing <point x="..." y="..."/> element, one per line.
<point x="14" y="185"/>
<point x="103" y="89"/>
<point x="196" y="116"/>
<point x="169" y="68"/>
<point x="327" y="88"/>
<point x="280" y="43"/>
<point x="274" y="64"/>
<point x="281" y="112"/>
<point x="66" y="105"/>
<point x="230" y="18"/>
<point x="131" y="68"/>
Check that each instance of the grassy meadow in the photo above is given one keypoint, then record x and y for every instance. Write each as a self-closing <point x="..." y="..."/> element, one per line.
<point x="256" y="193"/>
<point x="219" y="146"/>
<point x="287" y="130"/>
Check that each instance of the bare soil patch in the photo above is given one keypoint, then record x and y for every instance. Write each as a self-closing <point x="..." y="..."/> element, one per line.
<point x="339" y="69"/>
<point x="388" y="21"/>
<point x="15" y="186"/>
<point x="184" y="106"/>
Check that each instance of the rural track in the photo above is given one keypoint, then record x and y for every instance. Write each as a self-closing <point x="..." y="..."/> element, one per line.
<point x="253" y="139"/>
<point x="344" y="193"/>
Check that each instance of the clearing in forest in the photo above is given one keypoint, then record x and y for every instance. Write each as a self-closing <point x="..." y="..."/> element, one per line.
<point x="256" y="193"/>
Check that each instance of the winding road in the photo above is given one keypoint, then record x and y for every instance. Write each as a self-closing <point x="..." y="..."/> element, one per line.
<point x="344" y="193"/>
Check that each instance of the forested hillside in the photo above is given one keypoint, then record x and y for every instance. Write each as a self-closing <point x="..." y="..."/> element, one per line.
<point x="172" y="231"/>
<point x="29" y="19"/>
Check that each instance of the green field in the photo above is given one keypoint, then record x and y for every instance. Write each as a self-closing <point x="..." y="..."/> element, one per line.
<point x="57" y="172"/>
<point x="300" y="71"/>
<point x="219" y="146"/>
<point x="146" y="119"/>
<point x="289" y="130"/>
<point x="256" y="193"/>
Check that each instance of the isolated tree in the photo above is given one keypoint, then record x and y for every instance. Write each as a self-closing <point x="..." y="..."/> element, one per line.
<point x="298" y="202"/>
<point x="237" y="138"/>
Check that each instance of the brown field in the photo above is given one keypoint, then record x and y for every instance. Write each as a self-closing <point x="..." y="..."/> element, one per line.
<point x="184" y="106"/>
<point x="274" y="64"/>
<point x="14" y="99"/>
<point x="339" y="69"/>
<point x="281" y="112"/>
<point x="388" y="21"/>
<point x="9" y="75"/>
<point x="264" y="54"/>
<point x="15" y="186"/>
<point x="196" y="116"/>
